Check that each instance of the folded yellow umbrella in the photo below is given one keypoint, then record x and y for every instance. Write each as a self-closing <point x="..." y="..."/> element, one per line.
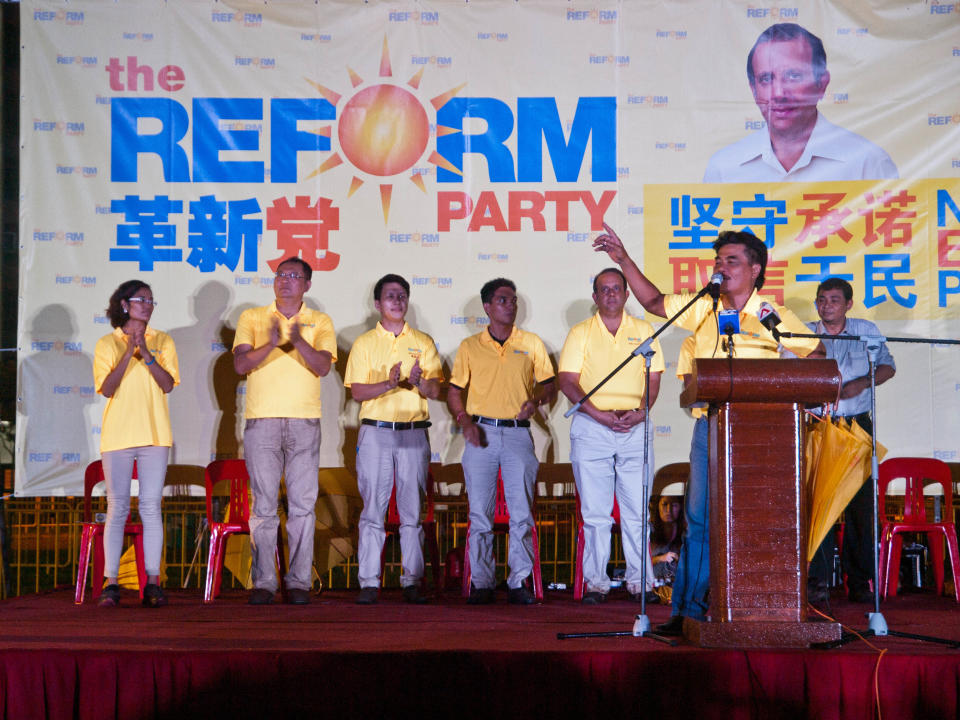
<point x="838" y="463"/>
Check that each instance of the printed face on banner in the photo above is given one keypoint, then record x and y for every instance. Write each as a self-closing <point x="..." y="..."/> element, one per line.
<point x="785" y="88"/>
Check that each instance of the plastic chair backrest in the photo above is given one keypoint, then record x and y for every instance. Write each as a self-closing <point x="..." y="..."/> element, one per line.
<point x="393" y="515"/>
<point x="614" y="513"/>
<point x="234" y="471"/>
<point x="92" y="477"/>
<point x="915" y="471"/>
<point x="501" y="513"/>
<point x="670" y="475"/>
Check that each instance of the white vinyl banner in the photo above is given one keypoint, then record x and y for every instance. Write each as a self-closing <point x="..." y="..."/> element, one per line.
<point x="192" y="144"/>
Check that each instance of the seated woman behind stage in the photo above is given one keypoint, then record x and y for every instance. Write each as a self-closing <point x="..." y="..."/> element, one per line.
<point x="666" y="538"/>
<point x="134" y="367"/>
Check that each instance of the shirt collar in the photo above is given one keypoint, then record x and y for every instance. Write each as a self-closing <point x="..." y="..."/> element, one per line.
<point x="601" y="326"/>
<point x="118" y="333"/>
<point x="273" y="309"/>
<point x="383" y="331"/>
<point x="486" y="337"/>
<point x="820" y="144"/>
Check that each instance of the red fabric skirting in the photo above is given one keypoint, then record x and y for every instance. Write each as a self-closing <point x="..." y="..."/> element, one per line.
<point x="333" y="659"/>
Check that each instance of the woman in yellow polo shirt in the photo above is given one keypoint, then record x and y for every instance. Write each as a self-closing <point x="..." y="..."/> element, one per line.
<point x="134" y="367"/>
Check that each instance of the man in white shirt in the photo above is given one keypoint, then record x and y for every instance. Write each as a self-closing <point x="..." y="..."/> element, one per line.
<point x="787" y="70"/>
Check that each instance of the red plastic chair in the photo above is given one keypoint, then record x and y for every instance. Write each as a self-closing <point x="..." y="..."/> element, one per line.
<point x="91" y="537"/>
<point x="915" y="471"/>
<point x="501" y="524"/>
<point x="392" y="527"/>
<point x="578" y="581"/>
<point x="234" y="472"/>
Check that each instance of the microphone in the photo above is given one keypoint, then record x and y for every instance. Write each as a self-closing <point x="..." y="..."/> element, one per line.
<point x="714" y="288"/>
<point x="769" y="319"/>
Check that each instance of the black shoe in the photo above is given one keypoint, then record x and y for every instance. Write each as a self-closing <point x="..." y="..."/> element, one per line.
<point x="672" y="627"/>
<point x="260" y="596"/>
<point x="480" y="596"/>
<point x="298" y="596"/>
<point x="594" y="598"/>
<point x="411" y="594"/>
<point x="153" y="596"/>
<point x="520" y="596"/>
<point x="368" y="596"/>
<point x="110" y="596"/>
<point x="650" y="596"/>
<point x="860" y="595"/>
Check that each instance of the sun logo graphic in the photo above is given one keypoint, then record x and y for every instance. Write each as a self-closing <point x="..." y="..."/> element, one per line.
<point x="382" y="131"/>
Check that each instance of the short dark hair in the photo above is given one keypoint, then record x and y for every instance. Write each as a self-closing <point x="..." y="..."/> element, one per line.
<point x="389" y="278"/>
<point x="618" y="271"/>
<point x="782" y="32"/>
<point x="115" y="312"/>
<point x="491" y="286"/>
<point x="754" y="247"/>
<point x="304" y="266"/>
<point x="835" y="283"/>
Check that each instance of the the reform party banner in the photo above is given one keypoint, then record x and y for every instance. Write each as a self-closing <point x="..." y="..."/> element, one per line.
<point x="193" y="144"/>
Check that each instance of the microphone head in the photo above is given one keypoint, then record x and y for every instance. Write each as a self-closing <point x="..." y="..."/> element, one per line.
<point x="716" y="278"/>
<point x="766" y="310"/>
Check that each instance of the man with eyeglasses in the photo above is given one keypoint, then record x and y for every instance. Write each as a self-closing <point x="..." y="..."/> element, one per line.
<point x="392" y="371"/>
<point x="509" y="375"/>
<point x="284" y="349"/>
<point x="606" y="435"/>
<point x="787" y="72"/>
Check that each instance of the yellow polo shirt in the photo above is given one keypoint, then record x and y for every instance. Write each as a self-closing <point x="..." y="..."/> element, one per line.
<point x="592" y="352"/>
<point x="282" y="385"/>
<point x="137" y="415"/>
<point x="685" y="359"/>
<point x="753" y="341"/>
<point x="370" y="360"/>
<point x="501" y="378"/>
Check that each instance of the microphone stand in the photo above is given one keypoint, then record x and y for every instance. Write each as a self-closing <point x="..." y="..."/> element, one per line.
<point x="876" y="623"/>
<point x="641" y="624"/>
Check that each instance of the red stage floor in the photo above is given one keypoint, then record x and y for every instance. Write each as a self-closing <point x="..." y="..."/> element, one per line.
<point x="394" y="660"/>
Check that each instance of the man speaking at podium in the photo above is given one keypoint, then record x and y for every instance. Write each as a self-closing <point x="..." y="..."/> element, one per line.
<point x="741" y="260"/>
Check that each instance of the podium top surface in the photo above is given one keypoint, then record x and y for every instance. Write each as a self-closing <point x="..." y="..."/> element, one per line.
<point x="722" y="380"/>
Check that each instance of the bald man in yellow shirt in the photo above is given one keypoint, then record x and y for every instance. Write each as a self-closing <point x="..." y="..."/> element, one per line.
<point x="509" y="375"/>
<point x="284" y="349"/>
<point x="607" y="433"/>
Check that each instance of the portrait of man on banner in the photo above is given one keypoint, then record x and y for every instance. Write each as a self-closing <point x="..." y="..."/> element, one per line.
<point x="787" y="71"/>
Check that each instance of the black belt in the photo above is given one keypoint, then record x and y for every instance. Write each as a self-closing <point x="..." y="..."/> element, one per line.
<point x="496" y="422"/>
<point x="397" y="425"/>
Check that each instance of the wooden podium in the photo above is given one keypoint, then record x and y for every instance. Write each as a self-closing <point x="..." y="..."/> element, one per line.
<point x="758" y="517"/>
